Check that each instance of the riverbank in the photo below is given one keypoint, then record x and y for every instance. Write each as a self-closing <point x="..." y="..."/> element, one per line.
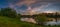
<point x="11" y="22"/>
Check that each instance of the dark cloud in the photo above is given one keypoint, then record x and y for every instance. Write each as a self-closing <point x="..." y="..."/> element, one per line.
<point x="31" y="2"/>
<point x="34" y="4"/>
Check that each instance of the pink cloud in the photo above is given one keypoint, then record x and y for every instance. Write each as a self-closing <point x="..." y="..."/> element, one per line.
<point x="12" y="6"/>
<point x="27" y="2"/>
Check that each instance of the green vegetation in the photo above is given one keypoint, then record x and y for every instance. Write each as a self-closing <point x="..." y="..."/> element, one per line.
<point x="10" y="22"/>
<point x="10" y="18"/>
<point x="41" y="19"/>
<point x="8" y="12"/>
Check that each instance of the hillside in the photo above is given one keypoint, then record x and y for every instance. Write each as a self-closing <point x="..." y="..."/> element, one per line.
<point x="12" y="22"/>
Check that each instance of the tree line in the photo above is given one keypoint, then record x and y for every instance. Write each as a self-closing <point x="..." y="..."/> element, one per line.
<point x="9" y="12"/>
<point x="40" y="18"/>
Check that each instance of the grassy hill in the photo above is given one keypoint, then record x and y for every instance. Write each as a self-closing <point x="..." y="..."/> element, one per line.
<point x="13" y="22"/>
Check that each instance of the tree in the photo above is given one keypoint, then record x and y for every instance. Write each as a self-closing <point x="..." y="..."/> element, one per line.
<point x="19" y="16"/>
<point x="41" y="19"/>
<point x="8" y="12"/>
<point x="56" y="16"/>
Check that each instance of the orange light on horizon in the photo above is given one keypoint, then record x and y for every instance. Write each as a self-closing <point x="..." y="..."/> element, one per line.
<point x="48" y="12"/>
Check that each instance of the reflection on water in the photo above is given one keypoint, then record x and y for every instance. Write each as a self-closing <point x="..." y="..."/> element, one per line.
<point x="53" y="23"/>
<point x="34" y="21"/>
<point x="28" y="20"/>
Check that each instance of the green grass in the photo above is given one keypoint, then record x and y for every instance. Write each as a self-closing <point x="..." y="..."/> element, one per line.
<point x="14" y="22"/>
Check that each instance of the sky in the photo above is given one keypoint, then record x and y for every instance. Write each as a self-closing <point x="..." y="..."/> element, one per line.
<point x="32" y="6"/>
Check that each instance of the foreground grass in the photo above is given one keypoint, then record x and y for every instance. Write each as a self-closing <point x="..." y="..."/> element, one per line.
<point x="12" y="22"/>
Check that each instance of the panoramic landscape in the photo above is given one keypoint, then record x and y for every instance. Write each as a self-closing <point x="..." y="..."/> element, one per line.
<point x="29" y="13"/>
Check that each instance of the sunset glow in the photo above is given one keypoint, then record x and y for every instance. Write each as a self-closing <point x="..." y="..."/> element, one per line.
<point x="32" y="6"/>
<point x="48" y="12"/>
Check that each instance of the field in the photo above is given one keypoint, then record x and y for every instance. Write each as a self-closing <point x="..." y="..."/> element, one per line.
<point x="15" y="22"/>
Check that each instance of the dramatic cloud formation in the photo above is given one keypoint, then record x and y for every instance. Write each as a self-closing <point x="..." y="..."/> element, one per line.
<point x="31" y="6"/>
<point x="11" y="5"/>
<point x="27" y="2"/>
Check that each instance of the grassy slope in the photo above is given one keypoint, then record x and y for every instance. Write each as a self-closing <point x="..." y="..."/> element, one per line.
<point x="11" y="22"/>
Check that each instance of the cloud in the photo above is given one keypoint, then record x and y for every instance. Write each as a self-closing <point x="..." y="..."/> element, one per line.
<point x="32" y="5"/>
<point x="36" y="9"/>
<point x="11" y="5"/>
<point x="27" y="2"/>
<point x="35" y="3"/>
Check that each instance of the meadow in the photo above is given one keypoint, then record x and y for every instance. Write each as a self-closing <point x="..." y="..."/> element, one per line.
<point x="15" y="22"/>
